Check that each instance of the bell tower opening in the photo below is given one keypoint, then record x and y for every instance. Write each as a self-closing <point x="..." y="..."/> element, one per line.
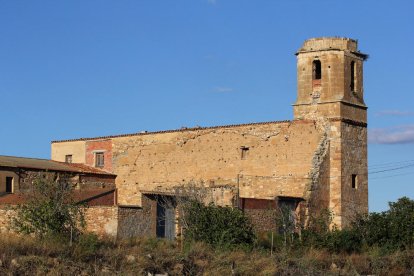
<point x="328" y="69"/>
<point x="352" y="76"/>
<point x="316" y="73"/>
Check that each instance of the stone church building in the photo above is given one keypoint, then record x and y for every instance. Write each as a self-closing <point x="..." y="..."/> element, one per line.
<point x="317" y="160"/>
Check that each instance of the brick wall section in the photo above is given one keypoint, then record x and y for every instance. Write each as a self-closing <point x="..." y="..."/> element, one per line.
<point x="96" y="146"/>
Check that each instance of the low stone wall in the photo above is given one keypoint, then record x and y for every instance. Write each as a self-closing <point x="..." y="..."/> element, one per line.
<point x="102" y="220"/>
<point x="5" y="219"/>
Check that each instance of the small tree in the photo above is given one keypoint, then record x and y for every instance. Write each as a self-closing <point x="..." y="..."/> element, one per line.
<point x="50" y="208"/>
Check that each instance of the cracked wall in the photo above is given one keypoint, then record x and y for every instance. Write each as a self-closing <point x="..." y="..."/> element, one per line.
<point x="277" y="162"/>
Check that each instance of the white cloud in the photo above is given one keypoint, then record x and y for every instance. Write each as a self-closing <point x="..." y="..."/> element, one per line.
<point x="223" y="89"/>
<point x="392" y="135"/>
<point x="394" y="113"/>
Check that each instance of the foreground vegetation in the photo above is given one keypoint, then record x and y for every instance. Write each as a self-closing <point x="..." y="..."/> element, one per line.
<point x="29" y="256"/>
<point x="218" y="241"/>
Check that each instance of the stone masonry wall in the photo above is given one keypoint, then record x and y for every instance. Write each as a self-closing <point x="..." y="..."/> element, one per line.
<point x="281" y="152"/>
<point x="138" y="221"/>
<point x="6" y="214"/>
<point x="102" y="221"/>
<point x="99" y="220"/>
<point x="354" y="162"/>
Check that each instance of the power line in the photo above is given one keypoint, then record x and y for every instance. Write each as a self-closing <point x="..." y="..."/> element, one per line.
<point x="393" y="169"/>
<point x="391" y="164"/>
<point x="398" y="162"/>
<point x="389" y="176"/>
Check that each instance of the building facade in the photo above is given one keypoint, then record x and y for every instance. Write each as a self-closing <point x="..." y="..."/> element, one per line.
<point x="316" y="161"/>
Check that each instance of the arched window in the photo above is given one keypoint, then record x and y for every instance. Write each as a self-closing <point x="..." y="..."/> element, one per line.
<point x="353" y="76"/>
<point x="316" y="70"/>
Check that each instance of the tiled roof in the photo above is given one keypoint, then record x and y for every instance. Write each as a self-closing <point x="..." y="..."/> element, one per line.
<point x="46" y="164"/>
<point x="78" y="195"/>
<point x="199" y="128"/>
<point x="169" y="131"/>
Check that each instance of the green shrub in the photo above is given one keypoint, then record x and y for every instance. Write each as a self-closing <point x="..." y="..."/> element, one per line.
<point x="50" y="209"/>
<point x="218" y="226"/>
<point x="392" y="229"/>
<point x="389" y="230"/>
<point x="346" y="240"/>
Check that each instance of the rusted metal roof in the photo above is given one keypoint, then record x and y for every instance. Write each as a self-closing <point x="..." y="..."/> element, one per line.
<point x="79" y="196"/>
<point x="47" y="165"/>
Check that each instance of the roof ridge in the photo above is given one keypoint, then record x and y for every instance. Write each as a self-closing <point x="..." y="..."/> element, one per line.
<point x="22" y="157"/>
<point x="168" y="131"/>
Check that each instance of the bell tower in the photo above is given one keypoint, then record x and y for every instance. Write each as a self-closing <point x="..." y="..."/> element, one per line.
<point x="331" y="92"/>
<point x="330" y="82"/>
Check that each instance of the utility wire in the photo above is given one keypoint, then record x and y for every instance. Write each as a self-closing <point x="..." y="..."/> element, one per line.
<point x="390" y="165"/>
<point x="389" y="176"/>
<point x="393" y="169"/>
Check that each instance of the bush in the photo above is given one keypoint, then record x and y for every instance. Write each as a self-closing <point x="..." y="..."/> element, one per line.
<point x="218" y="226"/>
<point x="50" y="209"/>
<point x="346" y="240"/>
<point x="389" y="230"/>
<point x="392" y="229"/>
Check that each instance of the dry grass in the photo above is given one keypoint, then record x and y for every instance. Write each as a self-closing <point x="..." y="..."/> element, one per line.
<point x="28" y="256"/>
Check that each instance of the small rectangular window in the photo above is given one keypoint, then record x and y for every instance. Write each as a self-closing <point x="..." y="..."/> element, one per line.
<point x="354" y="181"/>
<point x="244" y="151"/>
<point x="9" y="184"/>
<point x="99" y="159"/>
<point x="68" y="158"/>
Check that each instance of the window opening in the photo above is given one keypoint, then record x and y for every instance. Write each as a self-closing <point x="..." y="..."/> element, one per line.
<point x="244" y="151"/>
<point x="9" y="184"/>
<point x="353" y="76"/>
<point x="354" y="181"/>
<point x="99" y="159"/>
<point x="68" y="158"/>
<point x="316" y="70"/>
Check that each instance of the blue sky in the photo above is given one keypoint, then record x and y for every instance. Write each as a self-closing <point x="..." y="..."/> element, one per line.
<point x="72" y="69"/>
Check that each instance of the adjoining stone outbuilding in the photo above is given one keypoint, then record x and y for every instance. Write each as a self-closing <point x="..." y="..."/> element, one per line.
<point x="317" y="160"/>
<point x="91" y="186"/>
